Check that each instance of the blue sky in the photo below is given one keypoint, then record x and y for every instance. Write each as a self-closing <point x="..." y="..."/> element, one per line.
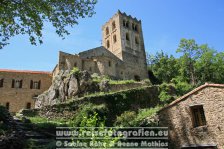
<point x="164" y="23"/>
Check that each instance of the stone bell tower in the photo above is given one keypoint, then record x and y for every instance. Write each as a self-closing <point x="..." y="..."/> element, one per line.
<point x="122" y="35"/>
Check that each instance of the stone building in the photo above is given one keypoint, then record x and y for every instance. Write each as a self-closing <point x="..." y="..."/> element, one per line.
<point x="196" y="120"/>
<point x="121" y="56"/>
<point x="18" y="89"/>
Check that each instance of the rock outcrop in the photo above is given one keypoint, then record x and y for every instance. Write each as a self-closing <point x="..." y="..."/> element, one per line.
<point x="67" y="85"/>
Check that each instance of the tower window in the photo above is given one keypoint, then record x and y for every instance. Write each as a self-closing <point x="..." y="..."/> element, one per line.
<point x="109" y="63"/>
<point x="133" y="26"/>
<point x="75" y="64"/>
<point x="17" y="83"/>
<point x="124" y="23"/>
<point x="136" y="28"/>
<point x="113" y="25"/>
<point x="127" y="24"/>
<point x="107" y="31"/>
<point x="28" y="105"/>
<point x="115" y="38"/>
<point x="7" y="105"/>
<point x="198" y="116"/>
<point x="127" y="37"/>
<point x="1" y="82"/>
<point x="136" y="40"/>
<point x="108" y="44"/>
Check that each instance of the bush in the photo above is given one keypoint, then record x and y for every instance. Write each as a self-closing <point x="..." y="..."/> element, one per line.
<point x="85" y="111"/>
<point x="167" y="93"/>
<point x="145" y="113"/>
<point x="147" y="82"/>
<point x="75" y="71"/>
<point x="126" y="119"/>
<point x="182" y="87"/>
<point x="133" y="119"/>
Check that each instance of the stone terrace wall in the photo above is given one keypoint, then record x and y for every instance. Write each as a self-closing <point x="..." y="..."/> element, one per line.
<point x="120" y="87"/>
<point x="117" y="103"/>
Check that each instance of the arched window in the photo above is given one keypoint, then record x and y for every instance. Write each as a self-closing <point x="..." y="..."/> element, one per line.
<point x="136" y="40"/>
<point x="115" y="38"/>
<point x="124" y="23"/>
<point x="127" y="37"/>
<point x="113" y="25"/>
<point x="133" y="26"/>
<point x="107" y="31"/>
<point x="127" y="24"/>
<point x="108" y="44"/>
<point x="136" y="28"/>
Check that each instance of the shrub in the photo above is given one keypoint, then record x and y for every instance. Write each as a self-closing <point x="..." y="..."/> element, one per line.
<point x="167" y="93"/>
<point x="75" y="71"/>
<point x="126" y="119"/>
<point x="182" y="87"/>
<point x="147" y="82"/>
<point x="85" y="111"/>
<point x="145" y="113"/>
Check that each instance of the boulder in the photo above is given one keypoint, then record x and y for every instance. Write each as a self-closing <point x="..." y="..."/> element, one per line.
<point x="66" y="86"/>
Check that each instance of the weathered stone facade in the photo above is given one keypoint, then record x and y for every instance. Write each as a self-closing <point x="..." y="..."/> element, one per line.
<point x="121" y="56"/>
<point x="179" y="116"/>
<point x="19" y="89"/>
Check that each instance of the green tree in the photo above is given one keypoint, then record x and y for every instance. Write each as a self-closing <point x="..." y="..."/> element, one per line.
<point x="191" y="52"/>
<point x="28" y="17"/>
<point x="164" y="66"/>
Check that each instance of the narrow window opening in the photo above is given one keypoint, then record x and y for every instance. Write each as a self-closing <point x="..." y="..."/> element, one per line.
<point x="113" y="25"/>
<point x="127" y="37"/>
<point x="109" y="63"/>
<point x="28" y="105"/>
<point x="198" y="116"/>
<point x="127" y="24"/>
<point x="108" y="44"/>
<point x="1" y="82"/>
<point x="75" y="64"/>
<point x="133" y="26"/>
<point x="7" y="105"/>
<point x="136" y="40"/>
<point x="136" y="28"/>
<point x="90" y="68"/>
<point x="137" y="78"/>
<point x="115" y="38"/>
<point x="107" y="31"/>
<point x="124" y="23"/>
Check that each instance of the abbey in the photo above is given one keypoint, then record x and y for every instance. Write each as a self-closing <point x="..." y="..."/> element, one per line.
<point x="121" y="56"/>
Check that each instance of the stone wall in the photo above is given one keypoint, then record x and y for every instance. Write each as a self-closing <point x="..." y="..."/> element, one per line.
<point x="116" y="103"/>
<point x="120" y="87"/>
<point x="18" y="98"/>
<point x="178" y="117"/>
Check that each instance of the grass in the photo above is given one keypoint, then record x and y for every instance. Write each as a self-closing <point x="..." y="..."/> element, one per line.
<point x="116" y="82"/>
<point x="41" y="123"/>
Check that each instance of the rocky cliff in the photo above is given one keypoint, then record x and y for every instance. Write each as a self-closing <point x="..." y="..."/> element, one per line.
<point x="67" y="85"/>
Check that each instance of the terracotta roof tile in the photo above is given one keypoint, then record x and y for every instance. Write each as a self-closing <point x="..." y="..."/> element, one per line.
<point x="25" y="71"/>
